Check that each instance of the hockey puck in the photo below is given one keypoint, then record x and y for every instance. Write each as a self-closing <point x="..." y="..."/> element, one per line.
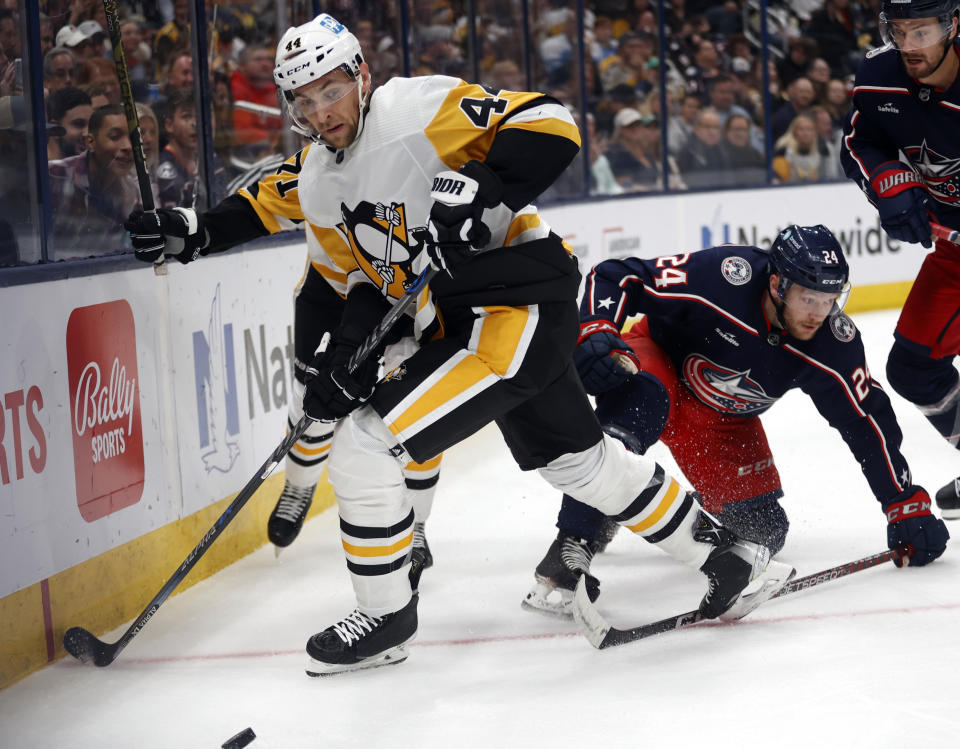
<point x="240" y="740"/>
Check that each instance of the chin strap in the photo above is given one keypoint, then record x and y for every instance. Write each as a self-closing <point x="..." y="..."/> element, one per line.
<point x="779" y="306"/>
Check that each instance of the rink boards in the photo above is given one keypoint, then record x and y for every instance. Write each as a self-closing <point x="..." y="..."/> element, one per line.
<point x="135" y="406"/>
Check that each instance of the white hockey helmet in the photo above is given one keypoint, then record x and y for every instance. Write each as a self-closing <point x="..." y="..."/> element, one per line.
<point x="308" y="52"/>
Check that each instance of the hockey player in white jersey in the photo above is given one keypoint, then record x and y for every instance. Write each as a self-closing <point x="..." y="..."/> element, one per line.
<point x="435" y="170"/>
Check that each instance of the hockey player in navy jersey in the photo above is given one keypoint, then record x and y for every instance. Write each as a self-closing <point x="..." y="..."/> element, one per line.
<point x="437" y="171"/>
<point x="726" y="332"/>
<point x="902" y="146"/>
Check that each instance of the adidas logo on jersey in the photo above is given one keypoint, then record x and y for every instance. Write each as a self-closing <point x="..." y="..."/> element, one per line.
<point x="888" y="107"/>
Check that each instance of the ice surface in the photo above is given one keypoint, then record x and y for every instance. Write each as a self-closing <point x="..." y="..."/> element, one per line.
<point x="867" y="661"/>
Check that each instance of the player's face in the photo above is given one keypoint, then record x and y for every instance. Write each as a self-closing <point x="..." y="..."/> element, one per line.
<point x="332" y="105"/>
<point x="805" y="310"/>
<point x="110" y="146"/>
<point x="920" y="41"/>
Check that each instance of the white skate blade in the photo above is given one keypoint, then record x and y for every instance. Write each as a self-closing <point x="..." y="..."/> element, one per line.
<point x="762" y="588"/>
<point x="389" y="657"/>
<point x="593" y="626"/>
<point x="545" y="598"/>
<point x="953" y="514"/>
<point x="276" y="551"/>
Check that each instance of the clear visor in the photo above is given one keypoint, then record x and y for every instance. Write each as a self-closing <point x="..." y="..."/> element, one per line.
<point x="912" y="34"/>
<point x="311" y="101"/>
<point x="819" y="303"/>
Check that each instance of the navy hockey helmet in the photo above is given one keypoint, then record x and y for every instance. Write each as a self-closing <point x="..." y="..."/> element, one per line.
<point x="944" y="11"/>
<point x="810" y="256"/>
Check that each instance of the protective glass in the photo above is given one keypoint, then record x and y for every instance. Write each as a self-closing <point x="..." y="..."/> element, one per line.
<point x="820" y="303"/>
<point x="911" y="34"/>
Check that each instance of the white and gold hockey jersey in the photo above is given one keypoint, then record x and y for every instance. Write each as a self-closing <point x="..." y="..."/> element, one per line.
<point x="365" y="207"/>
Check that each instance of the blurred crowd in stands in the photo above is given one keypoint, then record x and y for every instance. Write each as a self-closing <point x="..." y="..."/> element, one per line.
<point x="694" y="107"/>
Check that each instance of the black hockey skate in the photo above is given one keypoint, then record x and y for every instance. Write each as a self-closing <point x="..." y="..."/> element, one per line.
<point x="420" y="556"/>
<point x="740" y="574"/>
<point x="558" y="573"/>
<point x="287" y="517"/>
<point x="359" y="641"/>
<point x="948" y="500"/>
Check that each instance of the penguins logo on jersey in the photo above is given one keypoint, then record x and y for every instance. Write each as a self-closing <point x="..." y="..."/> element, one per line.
<point x="843" y="328"/>
<point x="382" y="244"/>
<point x="724" y="390"/>
<point x="941" y="174"/>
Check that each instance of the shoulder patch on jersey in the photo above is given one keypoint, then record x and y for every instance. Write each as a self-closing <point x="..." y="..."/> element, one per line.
<point x="843" y="328"/>
<point x="166" y="170"/>
<point x="736" y="270"/>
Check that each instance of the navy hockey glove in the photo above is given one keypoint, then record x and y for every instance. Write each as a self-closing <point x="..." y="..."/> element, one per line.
<point x="915" y="535"/>
<point x="602" y="357"/>
<point x="175" y="233"/>
<point x="332" y="391"/>
<point x="457" y="231"/>
<point x="901" y="203"/>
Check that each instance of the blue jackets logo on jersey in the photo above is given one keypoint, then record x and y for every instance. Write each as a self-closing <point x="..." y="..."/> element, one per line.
<point x="724" y="390"/>
<point x="941" y="174"/>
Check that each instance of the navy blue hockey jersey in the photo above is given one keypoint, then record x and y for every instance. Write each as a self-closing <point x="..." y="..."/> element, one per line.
<point x="892" y="113"/>
<point x="705" y="311"/>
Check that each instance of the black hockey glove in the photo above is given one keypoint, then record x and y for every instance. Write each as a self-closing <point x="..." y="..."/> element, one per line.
<point x="175" y="233"/>
<point x="332" y="391"/>
<point x="915" y="535"/>
<point x="901" y="202"/>
<point x="603" y="359"/>
<point x="457" y="231"/>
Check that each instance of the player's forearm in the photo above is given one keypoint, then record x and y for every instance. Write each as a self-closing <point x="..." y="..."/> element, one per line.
<point x="611" y="292"/>
<point x="231" y="222"/>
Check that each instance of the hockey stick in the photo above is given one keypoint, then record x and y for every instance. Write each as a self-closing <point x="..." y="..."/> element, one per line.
<point x="948" y="235"/>
<point x="133" y="121"/>
<point x="602" y="635"/>
<point x="84" y="646"/>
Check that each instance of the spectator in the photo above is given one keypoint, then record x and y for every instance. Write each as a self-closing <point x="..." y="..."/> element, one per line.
<point x="837" y="101"/>
<point x="680" y="125"/>
<point x="722" y="99"/>
<point x="93" y="192"/>
<point x="799" y="156"/>
<point x="70" y="108"/>
<point x="46" y="35"/>
<point x="177" y="167"/>
<point x="59" y="69"/>
<point x="99" y="94"/>
<point x="833" y="28"/>
<point x="746" y="164"/>
<point x="801" y="52"/>
<point x="706" y="67"/>
<point x="703" y="163"/>
<point x="628" y="66"/>
<point x="800" y="95"/>
<point x="602" y="179"/>
<point x="100" y="72"/>
<point x="830" y="136"/>
<point x="179" y="73"/>
<point x="173" y="35"/>
<point x="819" y="75"/>
<point x="150" y="136"/>
<point x="634" y="154"/>
<point x="253" y="83"/>
<point x="725" y="18"/>
<point x="506" y="75"/>
<point x="76" y="41"/>
<point x="10" y="33"/>
<point x="137" y="54"/>
<point x="604" y="44"/>
<point x="96" y="37"/>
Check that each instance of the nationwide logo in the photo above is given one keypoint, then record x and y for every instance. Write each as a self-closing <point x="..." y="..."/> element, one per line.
<point x="218" y="411"/>
<point x="888" y="107"/>
<point x="105" y="408"/>
<point x="724" y="390"/>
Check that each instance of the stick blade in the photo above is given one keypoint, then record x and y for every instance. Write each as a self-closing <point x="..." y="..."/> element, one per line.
<point x="86" y="648"/>
<point x="592" y="624"/>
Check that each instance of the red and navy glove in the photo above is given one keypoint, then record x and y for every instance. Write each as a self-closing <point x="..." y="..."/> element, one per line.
<point x="901" y="202"/>
<point x="916" y="536"/>
<point x="603" y="359"/>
